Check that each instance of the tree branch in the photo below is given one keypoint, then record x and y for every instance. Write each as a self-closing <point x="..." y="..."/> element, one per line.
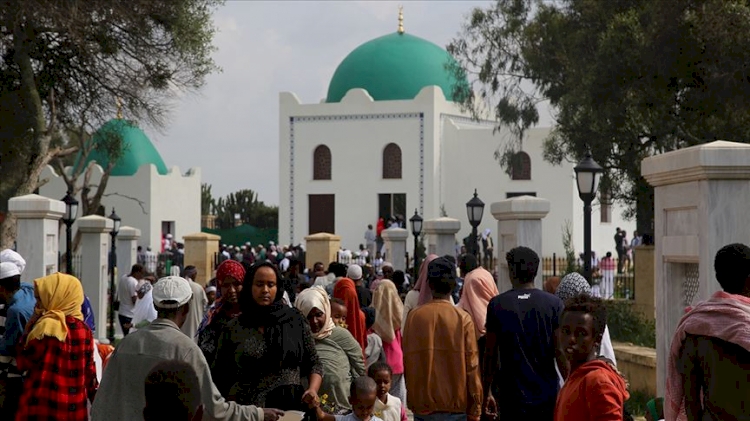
<point x="141" y="203"/>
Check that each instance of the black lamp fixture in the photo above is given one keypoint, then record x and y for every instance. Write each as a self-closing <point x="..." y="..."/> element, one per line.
<point x="416" y="230"/>
<point x="587" y="178"/>
<point x="116" y="220"/>
<point x="474" y="210"/>
<point x="71" y="212"/>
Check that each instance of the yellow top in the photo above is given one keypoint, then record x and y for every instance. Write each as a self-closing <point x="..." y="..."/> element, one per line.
<point x="401" y="19"/>
<point x="58" y="295"/>
<point x="119" y="108"/>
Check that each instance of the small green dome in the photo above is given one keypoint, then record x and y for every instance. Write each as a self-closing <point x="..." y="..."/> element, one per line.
<point x="137" y="149"/>
<point x="395" y="67"/>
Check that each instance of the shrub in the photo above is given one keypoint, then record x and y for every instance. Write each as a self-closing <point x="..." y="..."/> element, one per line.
<point x="627" y="325"/>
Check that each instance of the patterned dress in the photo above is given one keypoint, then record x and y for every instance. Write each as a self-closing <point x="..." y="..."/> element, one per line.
<point x="237" y="368"/>
<point x="61" y="375"/>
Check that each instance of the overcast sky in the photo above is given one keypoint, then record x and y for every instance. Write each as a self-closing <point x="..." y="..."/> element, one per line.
<point x="230" y="129"/>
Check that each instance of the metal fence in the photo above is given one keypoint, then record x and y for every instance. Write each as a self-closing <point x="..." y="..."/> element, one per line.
<point x="623" y="283"/>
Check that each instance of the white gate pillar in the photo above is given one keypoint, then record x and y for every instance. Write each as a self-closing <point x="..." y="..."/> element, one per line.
<point x="95" y="245"/>
<point x="701" y="195"/>
<point x="519" y="223"/>
<point x="37" y="233"/>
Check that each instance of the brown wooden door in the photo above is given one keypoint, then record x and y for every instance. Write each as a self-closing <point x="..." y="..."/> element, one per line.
<point x="322" y="211"/>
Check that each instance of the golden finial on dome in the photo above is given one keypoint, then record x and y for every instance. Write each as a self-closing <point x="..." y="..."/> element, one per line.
<point x="119" y="108"/>
<point x="401" y="19"/>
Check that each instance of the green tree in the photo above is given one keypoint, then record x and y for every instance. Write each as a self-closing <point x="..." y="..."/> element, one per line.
<point x="626" y="78"/>
<point x="65" y="64"/>
<point x="251" y="210"/>
<point x="208" y="204"/>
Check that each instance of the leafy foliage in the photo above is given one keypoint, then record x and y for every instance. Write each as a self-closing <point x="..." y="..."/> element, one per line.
<point x="627" y="325"/>
<point x="570" y="250"/>
<point x="251" y="210"/>
<point x="627" y="79"/>
<point x="208" y="204"/>
<point x="64" y="65"/>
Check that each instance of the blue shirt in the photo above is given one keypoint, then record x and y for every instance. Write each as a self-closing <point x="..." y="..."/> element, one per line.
<point x="525" y="321"/>
<point x="88" y="313"/>
<point x="20" y="309"/>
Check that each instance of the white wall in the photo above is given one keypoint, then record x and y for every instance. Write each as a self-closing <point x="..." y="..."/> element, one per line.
<point x="143" y="200"/>
<point x="458" y="156"/>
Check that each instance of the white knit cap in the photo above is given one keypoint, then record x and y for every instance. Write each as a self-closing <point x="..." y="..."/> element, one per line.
<point x="8" y="269"/>
<point x="11" y="256"/>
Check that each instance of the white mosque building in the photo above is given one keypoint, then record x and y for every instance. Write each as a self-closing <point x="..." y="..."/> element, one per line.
<point x="389" y="139"/>
<point x="144" y="192"/>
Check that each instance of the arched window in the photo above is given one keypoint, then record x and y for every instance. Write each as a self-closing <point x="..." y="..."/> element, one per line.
<point x="322" y="163"/>
<point x="392" y="161"/>
<point x="520" y="166"/>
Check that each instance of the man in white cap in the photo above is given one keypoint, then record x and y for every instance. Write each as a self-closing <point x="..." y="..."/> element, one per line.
<point x="19" y="301"/>
<point x="121" y="395"/>
<point x="354" y="272"/>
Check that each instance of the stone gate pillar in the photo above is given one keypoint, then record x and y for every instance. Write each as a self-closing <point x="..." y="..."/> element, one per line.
<point x="200" y="251"/>
<point x="95" y="245"/>
<point x="37" y="233"/>
<point x="395" y="247"/>
<point x="701" y="198"/>
<point x="321" y="247"/>
<point x="127" y="248"/>
<point x="441" y="235"/>
<point x="519" y="223"/>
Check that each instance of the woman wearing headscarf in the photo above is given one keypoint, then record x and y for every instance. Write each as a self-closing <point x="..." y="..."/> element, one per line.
<point x="57" y="354"/>
<point x="355" y="319"/>
<point x="338" y="351"/>
<point x="574" y="284"/>
<point x="421" y="293"/>
<point x="388" y="311"/>
<point x="229" y="276"/>
<point x="264" y="354"/>
<point x="479" y="289"/>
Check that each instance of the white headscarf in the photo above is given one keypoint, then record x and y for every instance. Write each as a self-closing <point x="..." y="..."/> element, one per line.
<point x="486" y="233"/>
<point x="316" y="297"/>
<point x="11" y="256"/>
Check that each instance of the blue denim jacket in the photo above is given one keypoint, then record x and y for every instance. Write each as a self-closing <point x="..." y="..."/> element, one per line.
<point x="20" y="309"/>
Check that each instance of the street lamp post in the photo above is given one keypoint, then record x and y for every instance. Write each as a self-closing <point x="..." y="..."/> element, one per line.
<point x="587" y="172"/>
<point x="474" y="209"/>
<point x="113" y="259"/>
<point x="71" y="212"/>
<point x="416" y="230"/>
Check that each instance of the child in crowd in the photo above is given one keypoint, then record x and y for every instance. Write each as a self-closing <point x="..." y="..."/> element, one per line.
<point x="338" y="312"/>
<point x="374" y="350"/>
<point x="210" y="295"/>
<point x="387" y="407"/>
<point x="362" y="397"/>
<point x="594" y="389"/>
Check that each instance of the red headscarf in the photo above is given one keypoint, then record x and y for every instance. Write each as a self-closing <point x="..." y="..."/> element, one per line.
<point x="227" y="268"/>
<point x="355" y="318"/>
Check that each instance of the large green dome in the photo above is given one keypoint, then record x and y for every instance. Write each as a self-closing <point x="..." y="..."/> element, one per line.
<point x="137" y="149"/>
<point x="394" y="67"/>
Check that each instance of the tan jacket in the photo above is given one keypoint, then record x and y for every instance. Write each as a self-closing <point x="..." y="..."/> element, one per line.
<point x="441" y="361"/>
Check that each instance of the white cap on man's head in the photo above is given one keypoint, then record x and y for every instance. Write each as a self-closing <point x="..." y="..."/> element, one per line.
<point x="8" y="269"/>
<point x="354" y="272"/>
<point x="171" y="292"/>
<point x="11" y="256"/>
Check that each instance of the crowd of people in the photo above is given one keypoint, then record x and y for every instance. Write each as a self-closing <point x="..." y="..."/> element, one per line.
<point x="336" y="345"/>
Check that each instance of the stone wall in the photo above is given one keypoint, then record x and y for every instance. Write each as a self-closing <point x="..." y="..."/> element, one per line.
<point x="638" y="365"/>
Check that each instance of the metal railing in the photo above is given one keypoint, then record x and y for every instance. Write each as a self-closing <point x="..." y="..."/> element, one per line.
<point x="623" y="284"/>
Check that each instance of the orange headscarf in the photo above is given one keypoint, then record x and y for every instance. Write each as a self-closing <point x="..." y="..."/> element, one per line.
<point x="355" y="318"/>
<point x="479" y="289"/>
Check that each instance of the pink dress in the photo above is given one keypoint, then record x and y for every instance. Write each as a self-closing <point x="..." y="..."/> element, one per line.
<point x="394" y="355"/>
